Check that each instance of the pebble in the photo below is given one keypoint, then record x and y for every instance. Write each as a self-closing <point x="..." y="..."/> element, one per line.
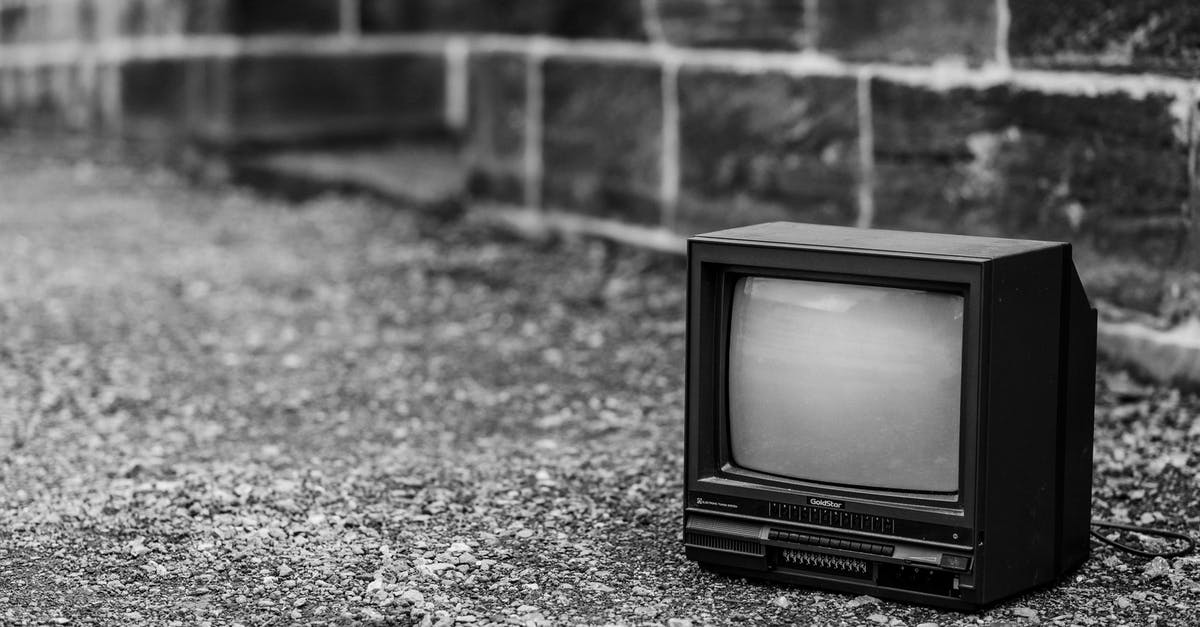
<point x="412" y="596"/>
<point x="1156" y="568"/>
<point x="862" y="600"/>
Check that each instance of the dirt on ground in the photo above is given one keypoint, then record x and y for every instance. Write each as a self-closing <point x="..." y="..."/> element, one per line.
<point x="220" y="408"/>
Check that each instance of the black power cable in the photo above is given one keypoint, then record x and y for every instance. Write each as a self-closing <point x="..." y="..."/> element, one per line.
<point x="1189" y="544"/>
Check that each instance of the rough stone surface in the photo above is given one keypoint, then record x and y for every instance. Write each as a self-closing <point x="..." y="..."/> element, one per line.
<point x="495" y="146"/>
<point x="14" y="21"/>
<point x="619" y="19"/>
<point x="603" y="139"/>
<point x="1171" y="355"/>
<point x="155" y="96"/>
<point x="171" y="99"/>
<point x="294" y="16"/>
<point x="767" y="24"/>
<point x="768" y="147"/>
<point x="1108" y="172"/>
<point x="426" y="175"/>
<point x="1157" y="34"/>
<point x="150" y="18"/>
<point x="39" y="22"/>
<point x="908" y="31"/>
<point x="301" y="98"/>
<point x="222" y="408"/>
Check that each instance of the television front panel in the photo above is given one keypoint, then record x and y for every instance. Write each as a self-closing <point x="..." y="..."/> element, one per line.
<point x="900" y="414"/>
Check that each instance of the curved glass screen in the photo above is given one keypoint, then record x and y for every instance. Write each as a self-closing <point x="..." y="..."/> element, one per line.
<point x="848" y="384"/>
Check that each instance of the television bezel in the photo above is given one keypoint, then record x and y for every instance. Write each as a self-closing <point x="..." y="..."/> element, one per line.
<point x="715" y="268"/>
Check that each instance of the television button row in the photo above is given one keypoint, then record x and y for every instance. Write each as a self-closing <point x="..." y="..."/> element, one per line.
<point x="830" y="543"/>
<point x="831" y="518"/>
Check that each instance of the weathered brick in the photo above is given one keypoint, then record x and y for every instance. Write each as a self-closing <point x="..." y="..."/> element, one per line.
<point x="513" y="16"/>
<point x="910" y="31"/>
<point x="293" y="16"/>
<point x="167" y="100"/>
<point x="155" y="96"/>
<point x="16" y="24"/>
<point x="602" y="138"/>
<point x="599" y="19"/>
<point x="300" y="98"/>
<point x="1107" y="171"/>
<point x="495" y="146"/>
<point x="134" y="18"/>
<point x="766" y="147"/>
<point x="207" y="17"/>
<point x="1151" y="34"/>
<point x="8" y="95"/>
<point x="764" y="24"/>
<point x="61" y="21"/>
<point x="250" y="101"/>
<point x="606" y="19"/>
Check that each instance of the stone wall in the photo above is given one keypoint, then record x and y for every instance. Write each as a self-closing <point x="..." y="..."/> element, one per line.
<point x="654" y="118"/>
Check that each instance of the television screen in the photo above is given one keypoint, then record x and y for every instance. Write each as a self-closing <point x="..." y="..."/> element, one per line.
<point x="846" y="384"/>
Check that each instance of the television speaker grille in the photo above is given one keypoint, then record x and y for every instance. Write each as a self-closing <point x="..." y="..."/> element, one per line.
<point x="831" y="564"/>
<point x="732" y="545"/>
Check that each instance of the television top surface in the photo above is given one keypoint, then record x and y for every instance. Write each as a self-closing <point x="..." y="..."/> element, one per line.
<point x="902" y="242"/>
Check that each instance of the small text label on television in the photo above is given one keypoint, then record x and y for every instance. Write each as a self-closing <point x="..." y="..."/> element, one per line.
<point x="704" y="501"/>
<point x="826" y="503"/>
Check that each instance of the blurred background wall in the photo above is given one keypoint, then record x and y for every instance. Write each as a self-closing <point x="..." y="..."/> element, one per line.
<point x="1067" y="120"/>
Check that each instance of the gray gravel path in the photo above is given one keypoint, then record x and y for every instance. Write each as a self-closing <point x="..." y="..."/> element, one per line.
<point x="219" y="408"/>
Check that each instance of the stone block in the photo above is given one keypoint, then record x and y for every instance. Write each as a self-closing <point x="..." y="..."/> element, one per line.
<point x="208" y="17"/>
<point x="18" y="24"/>
<point x="8" y="95"/>
<point x="599" y="19"/>
<point x="1107" y="171"/>
<point x="592" y="19"/>
<point x="301" y="98"/>
<point x="911" y="31"/>
<point x="249" y="17"/>
<point x="159" y="98"/>
<point x="1160" y="35"/>
<point x="112" y="19"/>
<point x="602" y="140"/>
<point x="765" y="147"/>
<point x="495" y="143"/>
<point x="763" y="24"/>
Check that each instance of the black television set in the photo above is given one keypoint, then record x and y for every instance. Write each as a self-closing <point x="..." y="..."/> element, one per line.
<point x="904" y="415"/>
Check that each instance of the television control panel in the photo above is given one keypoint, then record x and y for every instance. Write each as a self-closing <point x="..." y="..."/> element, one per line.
<point x="834" y="559"/>
<point x="846" y="515"/>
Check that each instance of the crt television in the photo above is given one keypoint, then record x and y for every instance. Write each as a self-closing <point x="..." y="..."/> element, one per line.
<point x="905" y="415"/>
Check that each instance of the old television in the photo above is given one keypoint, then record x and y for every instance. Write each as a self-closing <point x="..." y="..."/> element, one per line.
<point x="904" y="415"/>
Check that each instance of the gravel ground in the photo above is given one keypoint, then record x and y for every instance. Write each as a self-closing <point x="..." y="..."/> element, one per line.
<point x="221" y="408"/>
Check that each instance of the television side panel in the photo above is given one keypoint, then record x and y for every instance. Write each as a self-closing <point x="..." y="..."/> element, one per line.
<point x="1078" y="431"/>
<point x="1018" y="500"/>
